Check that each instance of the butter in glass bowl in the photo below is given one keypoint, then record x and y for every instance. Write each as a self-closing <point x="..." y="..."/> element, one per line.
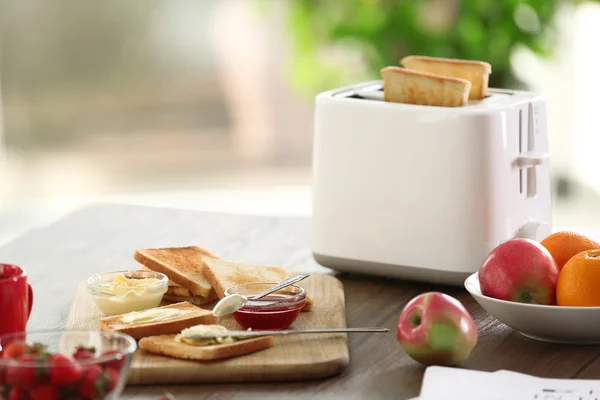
<point x="120" y="292"/>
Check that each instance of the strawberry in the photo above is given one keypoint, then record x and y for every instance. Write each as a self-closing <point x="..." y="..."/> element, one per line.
<point x="13" y="350"/>
<point x="26" y="376"/>
<point x="37" y="349"/>
<point x="84" y="353"/>
<point x="97" y="382"/>
<point x="17" y="394"/>
<point x="91" y="385"/>
<point x="112" y="378"/>
<point x="63" y="370"/>
<point x="45" y="392"/>
<point x="116" y="363"/>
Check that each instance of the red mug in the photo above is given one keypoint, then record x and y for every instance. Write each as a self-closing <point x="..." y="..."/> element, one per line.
<point x="16" y="299"/>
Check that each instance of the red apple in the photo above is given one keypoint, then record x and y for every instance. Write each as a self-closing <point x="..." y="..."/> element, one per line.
<point x="520" y="270"/>
<point x="436" y="329"/>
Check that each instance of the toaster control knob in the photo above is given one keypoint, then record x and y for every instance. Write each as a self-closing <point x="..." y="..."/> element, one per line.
<point x="537" y="231"/>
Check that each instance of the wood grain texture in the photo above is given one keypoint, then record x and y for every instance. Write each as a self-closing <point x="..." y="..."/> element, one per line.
<point x="296" y="357"/>
<point x="101" y="238"/>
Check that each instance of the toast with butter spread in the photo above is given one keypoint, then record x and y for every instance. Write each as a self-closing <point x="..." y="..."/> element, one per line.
<point x="166" y="345"/>
<point x="224" y="274"/>
<point x="477" y="72"/>
<point x="182" y="265"/>
<point x="403" y="85"/>
<point x="172" y="318"/>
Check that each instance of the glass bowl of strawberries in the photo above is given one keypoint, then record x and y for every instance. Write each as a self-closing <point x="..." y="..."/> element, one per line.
<point x="64" y="365"/>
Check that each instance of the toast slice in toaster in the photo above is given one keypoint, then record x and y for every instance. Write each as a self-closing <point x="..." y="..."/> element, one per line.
<point x="224" y="274"/>
<point x="182" y="265"/>
<point x="158" y="321"/>
<point x="403" y="85"/>
<point x="176" y="293"/>
<point x="167" y="346"/>
<point x="476" y="72"/>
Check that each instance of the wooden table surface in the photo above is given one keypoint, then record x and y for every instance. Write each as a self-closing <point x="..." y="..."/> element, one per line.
<point x="103" y="237"/>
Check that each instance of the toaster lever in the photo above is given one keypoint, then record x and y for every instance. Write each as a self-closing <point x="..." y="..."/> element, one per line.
<point x="525" y="160"/>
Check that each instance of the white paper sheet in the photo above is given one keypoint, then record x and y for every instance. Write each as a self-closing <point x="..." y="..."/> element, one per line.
<point x="443" y="383"/>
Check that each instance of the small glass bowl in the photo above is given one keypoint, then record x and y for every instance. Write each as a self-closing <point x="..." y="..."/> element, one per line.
<point x="276" y="311"/>
<point x="127" y="299"/>
<point x="112" y="357"/>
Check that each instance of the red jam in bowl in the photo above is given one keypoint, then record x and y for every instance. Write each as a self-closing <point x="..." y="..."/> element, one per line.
<point x="277" y="311"/>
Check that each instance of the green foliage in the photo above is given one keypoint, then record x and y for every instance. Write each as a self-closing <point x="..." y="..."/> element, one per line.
<point x="335" y="42"/>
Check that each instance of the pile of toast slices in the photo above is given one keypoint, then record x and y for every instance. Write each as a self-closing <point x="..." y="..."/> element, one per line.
<point x="434" y="81"/>
<point x="197" y="280"/>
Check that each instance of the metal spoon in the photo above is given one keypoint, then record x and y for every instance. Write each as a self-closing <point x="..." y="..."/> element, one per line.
<point x="230" y="304"/>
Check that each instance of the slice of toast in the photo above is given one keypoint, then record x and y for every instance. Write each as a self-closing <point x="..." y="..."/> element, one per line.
<point x="194" y="316"/>
<point x="176" y="293"/>
<point x="477" y="72"/>
<point x="171" y="283"/>
<point x="403" y="85"/>
<point x="204" y="302"/>
<point x="224" y="274"/>
<point x="167" y="346"/>
<point x="182" y="265"/>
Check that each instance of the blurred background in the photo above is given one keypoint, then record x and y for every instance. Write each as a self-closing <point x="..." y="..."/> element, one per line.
<point x="208" y="104"/>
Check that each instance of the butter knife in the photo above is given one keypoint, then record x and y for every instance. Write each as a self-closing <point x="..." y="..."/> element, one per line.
<point x="250" y="334"/>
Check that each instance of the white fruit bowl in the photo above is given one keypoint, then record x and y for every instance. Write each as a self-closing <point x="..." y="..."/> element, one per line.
<point x="556" y="324"/>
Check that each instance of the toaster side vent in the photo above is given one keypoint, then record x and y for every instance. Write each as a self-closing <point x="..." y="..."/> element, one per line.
<point x="531" y="182"/>
<point x="521" y="182"/>
<point x="527" y="162"/>
<point x="532" y="124"/>
<point x="522" y="137"/>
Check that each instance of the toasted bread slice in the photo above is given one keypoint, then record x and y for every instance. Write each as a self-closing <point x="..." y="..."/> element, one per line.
<point x="477" y="72"/>
<point x="167" y="346"/>
<point x="182" y="265"/>
<point x="224" y="274"/>
<point x="402" y="85"/>
<point x="171" y="283"/>
<point x="196" y="300"/>
<point x="177" y="293"/>
<point x="193" y="316"/>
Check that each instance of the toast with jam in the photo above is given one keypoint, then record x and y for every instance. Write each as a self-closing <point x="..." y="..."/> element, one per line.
<point x="224" y="274"/>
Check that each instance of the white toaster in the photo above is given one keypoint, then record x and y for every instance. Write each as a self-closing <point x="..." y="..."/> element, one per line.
<point x="423" y="192"/>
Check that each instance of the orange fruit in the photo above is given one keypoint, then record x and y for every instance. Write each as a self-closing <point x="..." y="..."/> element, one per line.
<point x="566" y="244"/>
<point x="579" y="281"/>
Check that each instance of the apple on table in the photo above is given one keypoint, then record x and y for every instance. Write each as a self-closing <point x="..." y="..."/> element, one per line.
<point x="436" y="329"/>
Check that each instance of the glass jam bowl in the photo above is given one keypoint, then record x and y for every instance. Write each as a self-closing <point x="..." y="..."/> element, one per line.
<point x="120" y="292"/>
<point x="276" y="311"/>
<point x="63" y="365"/>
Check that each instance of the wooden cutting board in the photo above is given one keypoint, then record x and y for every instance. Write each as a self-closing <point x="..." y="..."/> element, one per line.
<point x="296" y="357"/>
